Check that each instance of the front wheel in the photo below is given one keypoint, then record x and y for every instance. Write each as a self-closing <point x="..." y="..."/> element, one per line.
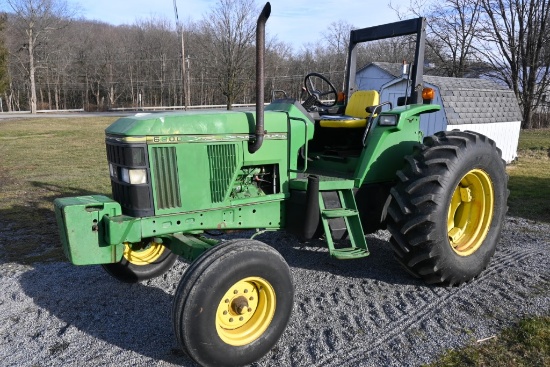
<point x="233" y="304"/>
<point x="142" y="261"/>
<point x="448" y="208"/>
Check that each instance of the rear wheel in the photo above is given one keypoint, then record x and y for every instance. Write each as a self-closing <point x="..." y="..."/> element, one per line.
<point x="233" y="304"/>
<point x="142" y="261"/>
<point x="447" y="209"/>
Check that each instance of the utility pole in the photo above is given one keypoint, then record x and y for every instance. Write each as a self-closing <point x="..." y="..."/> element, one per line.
<point x="188" y="82"/>
<point x="184" y="84"/>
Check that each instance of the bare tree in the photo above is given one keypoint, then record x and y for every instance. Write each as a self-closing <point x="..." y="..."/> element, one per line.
<point x="452" y="26"/>
<point x="4" y="77"/>
<point x="335" y="49"/>
<point x="278" y="71"/>
<point x="516" y="32"/>
<point x="54" y="56"/>
<point x="229" y="31"/>
<point x="35" y="19"/>
<point x="161" y="60"/>
<point x="92" y="64"/>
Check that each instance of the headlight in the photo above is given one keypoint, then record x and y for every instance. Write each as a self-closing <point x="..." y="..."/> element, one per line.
<point x="387" y="120"/>
<point x="133" y="176"/>
<point x="112" y="170"/>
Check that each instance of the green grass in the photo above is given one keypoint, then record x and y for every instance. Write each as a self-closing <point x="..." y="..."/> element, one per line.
<point x="40" y="160"/>
<point x="535" y="139"/>
<point x="525" y="344"/>
<point x="529" y="182"/>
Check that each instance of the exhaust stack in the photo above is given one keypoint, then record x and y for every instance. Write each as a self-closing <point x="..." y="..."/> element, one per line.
<point x="260" y="53"/>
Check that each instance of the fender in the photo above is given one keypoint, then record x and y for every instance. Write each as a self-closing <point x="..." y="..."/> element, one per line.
<point x="387" y="145"/>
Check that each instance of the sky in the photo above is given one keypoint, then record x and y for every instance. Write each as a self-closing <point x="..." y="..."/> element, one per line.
<point x="295" y="22"/>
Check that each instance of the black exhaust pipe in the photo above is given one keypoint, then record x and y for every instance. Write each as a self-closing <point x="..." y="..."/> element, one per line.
<point x="260" y="53"/>
<point x="311" y="215"/>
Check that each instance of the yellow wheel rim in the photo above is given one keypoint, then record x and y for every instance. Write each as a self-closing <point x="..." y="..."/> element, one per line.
<point x="245" y="311"/>
<point x="470" y="212"/>
<point x="144" y="256"/>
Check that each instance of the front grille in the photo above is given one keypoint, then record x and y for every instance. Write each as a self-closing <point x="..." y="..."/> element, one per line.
<point x="165" y="168"/>
<point x="223" y="162"/>
<point x="135" y="200"/>
<point x="127" y="156"/>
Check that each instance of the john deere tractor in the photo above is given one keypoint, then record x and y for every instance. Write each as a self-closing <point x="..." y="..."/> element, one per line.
<point x="307" y="167"/>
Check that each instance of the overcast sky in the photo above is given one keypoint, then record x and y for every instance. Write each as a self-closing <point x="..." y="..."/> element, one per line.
<point x="292" y="21"/>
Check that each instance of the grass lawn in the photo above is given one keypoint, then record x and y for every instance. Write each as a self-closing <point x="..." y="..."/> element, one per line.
<point x="40" y="160"/>
<point x="530" y="177"/>
<point x="525" y="344"/>
<point x="43" y="159"/>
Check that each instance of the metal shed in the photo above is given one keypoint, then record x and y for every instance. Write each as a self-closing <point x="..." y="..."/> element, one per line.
<point x="375" y="74"/>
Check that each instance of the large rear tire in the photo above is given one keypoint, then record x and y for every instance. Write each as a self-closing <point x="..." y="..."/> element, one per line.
<point x="448" y="208"/>
<point x="233" y="304"/>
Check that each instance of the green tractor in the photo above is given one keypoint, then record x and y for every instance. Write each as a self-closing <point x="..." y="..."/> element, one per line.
<point x="309" y="168"/>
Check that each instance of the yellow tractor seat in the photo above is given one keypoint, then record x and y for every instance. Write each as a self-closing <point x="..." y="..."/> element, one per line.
<point x="355" y="114"/>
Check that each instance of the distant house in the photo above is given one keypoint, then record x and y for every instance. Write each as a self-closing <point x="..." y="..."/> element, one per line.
<point x="375" y="74"/>
<point x="467" y="104"/>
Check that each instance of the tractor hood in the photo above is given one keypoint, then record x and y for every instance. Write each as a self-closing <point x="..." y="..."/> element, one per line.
<point x="196" y="123"/>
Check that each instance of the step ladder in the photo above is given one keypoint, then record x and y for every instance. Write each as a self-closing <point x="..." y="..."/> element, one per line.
<point x="349" y="213"/>
<point x="343" y="187"/>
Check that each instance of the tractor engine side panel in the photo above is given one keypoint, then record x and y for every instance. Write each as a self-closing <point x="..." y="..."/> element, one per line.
<point x="197" y="176"/>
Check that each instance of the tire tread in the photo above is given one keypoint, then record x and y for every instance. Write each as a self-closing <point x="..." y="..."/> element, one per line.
<point x="415" y="211"/>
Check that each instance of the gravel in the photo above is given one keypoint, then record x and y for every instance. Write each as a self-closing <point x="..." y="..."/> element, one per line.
<point x="366" y="312"/>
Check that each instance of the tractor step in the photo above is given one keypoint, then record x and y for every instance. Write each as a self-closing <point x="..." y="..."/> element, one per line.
<point x="349" y="253"/>
<point x="326" y="183"/>
<point x="338" y="213"/>
<point x="348" y="212"/>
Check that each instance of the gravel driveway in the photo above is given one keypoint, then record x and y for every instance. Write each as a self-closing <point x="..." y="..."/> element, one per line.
<point x="366" y="312"/>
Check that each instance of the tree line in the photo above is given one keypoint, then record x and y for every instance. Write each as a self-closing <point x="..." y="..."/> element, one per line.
<point x="51" y="59"/>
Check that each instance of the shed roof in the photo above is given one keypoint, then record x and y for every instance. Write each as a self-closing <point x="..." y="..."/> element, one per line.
<point x="475" y="101"/>
<point x="472" y="100"/>
<point x="394" y="69"/>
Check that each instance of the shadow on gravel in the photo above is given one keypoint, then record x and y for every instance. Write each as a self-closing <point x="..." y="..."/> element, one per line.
<point x="379" y="265"/>
<point x="28" y="229"/>
<point x="132" y="317"/>
<point x="137" y="317"/>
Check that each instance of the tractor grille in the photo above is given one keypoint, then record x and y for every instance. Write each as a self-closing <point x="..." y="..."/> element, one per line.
<point x="165" y="168"/>
<point x="223" y="162"/>
<point x="128" y="156"/>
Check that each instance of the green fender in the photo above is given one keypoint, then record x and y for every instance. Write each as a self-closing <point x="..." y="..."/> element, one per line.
<point x="387" y="145"/>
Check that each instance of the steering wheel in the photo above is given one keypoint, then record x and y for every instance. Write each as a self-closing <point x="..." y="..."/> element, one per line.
<point x="317" y="86"/>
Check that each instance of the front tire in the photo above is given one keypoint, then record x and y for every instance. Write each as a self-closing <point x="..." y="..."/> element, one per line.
<point x="142" y="261"/>
<point x="233" y="304"/>
<point x="447" y="209"/>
